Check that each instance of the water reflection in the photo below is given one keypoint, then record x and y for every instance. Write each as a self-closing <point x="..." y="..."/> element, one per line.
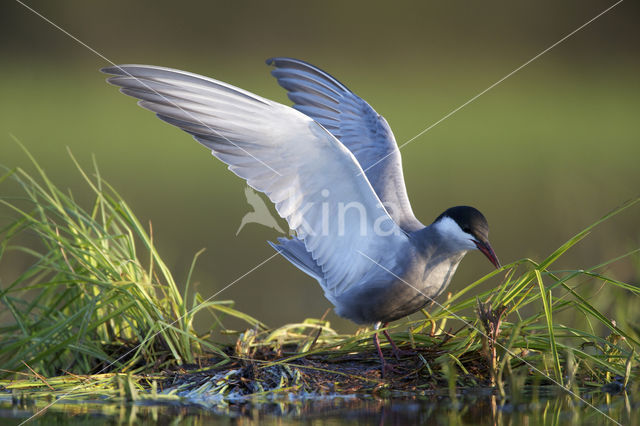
<point x="477" y="408"/>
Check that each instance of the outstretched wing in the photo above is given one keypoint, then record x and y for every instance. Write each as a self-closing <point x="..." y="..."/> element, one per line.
<point x="305" y="171"/>
<point x="357" y="125"/>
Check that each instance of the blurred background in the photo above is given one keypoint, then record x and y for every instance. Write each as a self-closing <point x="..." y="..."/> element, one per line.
<point x="543" y="154"/>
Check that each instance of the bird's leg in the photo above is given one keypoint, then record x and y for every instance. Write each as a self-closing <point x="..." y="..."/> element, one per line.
<point x="396" y="351"/>
<point x="376" y="342"/>
<point x="388" y="336"/>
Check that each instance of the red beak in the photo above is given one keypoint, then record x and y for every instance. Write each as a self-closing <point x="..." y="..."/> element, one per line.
<point x="486" y="249"/>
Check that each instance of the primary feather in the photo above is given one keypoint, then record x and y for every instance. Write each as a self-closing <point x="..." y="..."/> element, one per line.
<point x="357" y="125"/>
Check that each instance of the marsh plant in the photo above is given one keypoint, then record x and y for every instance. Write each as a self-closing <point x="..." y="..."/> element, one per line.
<point x="97" y="297"/>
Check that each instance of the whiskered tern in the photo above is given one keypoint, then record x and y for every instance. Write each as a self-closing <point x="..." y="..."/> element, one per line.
<point x="332" y="167"/>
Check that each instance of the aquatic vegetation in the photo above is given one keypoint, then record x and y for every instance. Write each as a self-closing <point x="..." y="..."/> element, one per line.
<point x="97" y="297"/>
<point x="98" y="314"/>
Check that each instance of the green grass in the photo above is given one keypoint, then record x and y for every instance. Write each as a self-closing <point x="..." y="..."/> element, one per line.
<point x="97" y="297"/>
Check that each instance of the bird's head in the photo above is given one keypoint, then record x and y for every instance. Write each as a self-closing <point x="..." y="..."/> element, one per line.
<point x="465" y="228"/>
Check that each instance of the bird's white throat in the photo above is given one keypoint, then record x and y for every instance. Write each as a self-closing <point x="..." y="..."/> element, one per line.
<point x="453" y="235"/>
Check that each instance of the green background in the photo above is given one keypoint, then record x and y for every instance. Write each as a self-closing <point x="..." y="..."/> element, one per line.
<point x="543" y="154"/>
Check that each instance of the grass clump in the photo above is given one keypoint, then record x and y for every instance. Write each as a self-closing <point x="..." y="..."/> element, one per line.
<point x="97" y="296"/>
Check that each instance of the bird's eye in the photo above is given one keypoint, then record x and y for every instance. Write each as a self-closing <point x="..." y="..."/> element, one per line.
<point x="466" y="229"/>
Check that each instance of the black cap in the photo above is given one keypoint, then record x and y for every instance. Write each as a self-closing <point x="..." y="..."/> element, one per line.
<point x="470" y="220"/>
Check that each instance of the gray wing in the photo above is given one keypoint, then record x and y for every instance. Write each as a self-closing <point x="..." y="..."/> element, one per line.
<point x="357" y="125"/>
<point x="305" y="171"/>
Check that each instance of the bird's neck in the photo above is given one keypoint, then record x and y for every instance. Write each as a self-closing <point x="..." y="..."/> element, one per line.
<point x="425" y="237"/>
<point x="431" y="241"/>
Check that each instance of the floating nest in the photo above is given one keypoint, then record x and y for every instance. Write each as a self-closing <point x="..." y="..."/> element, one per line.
<point x="322" y="374"/>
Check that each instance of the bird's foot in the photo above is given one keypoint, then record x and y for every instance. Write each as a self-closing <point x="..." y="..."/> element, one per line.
<point x="397" y="352"/>
<point x="400" y="353"/>
<point x="388" y="370"/>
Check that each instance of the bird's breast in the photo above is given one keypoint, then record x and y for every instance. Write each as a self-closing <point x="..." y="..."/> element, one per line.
<point x="412" y="284"/>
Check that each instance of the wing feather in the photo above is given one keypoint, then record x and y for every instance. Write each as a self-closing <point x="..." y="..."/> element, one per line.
<point x="305" y="171"/>
<point x="356" y="124"/>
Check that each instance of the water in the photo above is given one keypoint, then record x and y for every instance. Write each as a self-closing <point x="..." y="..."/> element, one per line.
<point x="478" y="407"/>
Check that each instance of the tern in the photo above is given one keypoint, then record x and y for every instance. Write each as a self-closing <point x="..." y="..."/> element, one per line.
<point x="332" y="168"/>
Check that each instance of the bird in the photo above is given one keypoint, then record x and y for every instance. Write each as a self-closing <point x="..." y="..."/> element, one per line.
<point x="260" y="213"/>
<point x="332" y="168"/>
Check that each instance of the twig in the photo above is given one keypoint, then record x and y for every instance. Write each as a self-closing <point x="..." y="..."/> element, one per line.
<point x="41" y="378"/>
<point x="320" y="329"/>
